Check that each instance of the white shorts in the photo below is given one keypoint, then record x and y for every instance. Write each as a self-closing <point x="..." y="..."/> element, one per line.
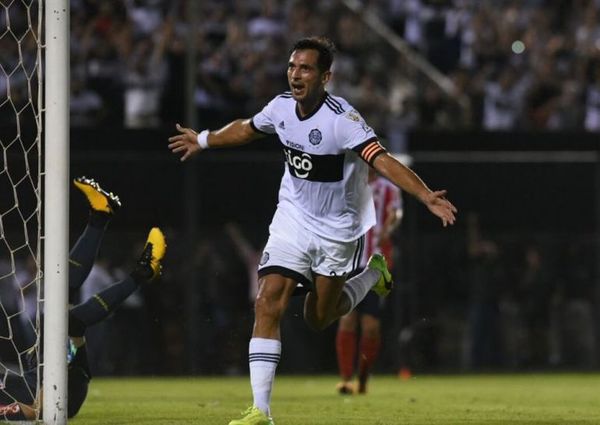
<point x="293" y="251"/>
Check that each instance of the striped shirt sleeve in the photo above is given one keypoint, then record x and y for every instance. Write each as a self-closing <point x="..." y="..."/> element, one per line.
<point x="369" y="150"/>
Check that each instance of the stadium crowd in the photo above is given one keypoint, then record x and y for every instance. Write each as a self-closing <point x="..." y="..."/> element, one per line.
<point x="522" y="64"/>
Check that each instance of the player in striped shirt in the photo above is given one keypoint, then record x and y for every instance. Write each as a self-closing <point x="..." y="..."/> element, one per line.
<point x="366" y="315"/>
<point x="325" y="207"/>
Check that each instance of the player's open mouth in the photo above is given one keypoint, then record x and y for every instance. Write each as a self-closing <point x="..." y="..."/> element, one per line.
<point x="297" y="89"/>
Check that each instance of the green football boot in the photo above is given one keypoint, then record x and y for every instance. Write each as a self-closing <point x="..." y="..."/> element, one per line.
<point x="253" y="416"/>
<point x="385" y="283"/>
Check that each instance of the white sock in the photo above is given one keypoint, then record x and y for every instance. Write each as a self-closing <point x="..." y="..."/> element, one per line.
<point x="263" y="357"/>
<point x="358" y="287"/>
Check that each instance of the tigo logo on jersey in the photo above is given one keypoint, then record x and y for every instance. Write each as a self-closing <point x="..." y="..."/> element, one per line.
<point x="301" y="164"/>
<point x="315" y="136"/>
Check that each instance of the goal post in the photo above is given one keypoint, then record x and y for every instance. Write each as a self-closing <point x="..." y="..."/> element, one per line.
<point x="56" y="214"/>
<point x="34" y="152"/>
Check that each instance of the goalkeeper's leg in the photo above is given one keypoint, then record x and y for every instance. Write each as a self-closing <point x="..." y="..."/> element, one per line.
<point x="100" y="305"/>
<point x="82" y="256"/>
<point x="79" y="376"/>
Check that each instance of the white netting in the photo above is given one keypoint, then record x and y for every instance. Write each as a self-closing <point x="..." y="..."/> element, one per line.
<point x="20" y="204"/>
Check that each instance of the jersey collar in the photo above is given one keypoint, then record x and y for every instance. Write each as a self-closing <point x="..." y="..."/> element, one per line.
<point x="314" y="111"/>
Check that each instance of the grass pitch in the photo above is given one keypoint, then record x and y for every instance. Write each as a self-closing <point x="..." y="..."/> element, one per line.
<point x="567" y="399"/>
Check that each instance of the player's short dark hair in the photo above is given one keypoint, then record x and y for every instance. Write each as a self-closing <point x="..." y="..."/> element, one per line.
<point x="321" y="44"/>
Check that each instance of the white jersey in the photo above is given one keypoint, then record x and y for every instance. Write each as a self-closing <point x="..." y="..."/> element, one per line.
<point x="324" y="186"/>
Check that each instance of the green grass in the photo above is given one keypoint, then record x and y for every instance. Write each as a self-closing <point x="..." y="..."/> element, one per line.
<point x="567" y="399"/>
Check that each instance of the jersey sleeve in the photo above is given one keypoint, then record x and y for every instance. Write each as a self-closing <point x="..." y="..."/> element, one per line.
<point x="354" y="133"/>
<point x="263" y="122"/>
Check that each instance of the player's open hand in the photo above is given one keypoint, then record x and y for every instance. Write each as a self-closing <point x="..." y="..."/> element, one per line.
<point x="186" y="142"/>
<point x="438" y="204"/>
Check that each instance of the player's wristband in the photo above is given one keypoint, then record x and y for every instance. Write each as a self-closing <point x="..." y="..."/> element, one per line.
<point x="203" y="139"/>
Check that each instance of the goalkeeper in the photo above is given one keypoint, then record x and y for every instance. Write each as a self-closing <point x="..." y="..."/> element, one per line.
<point x="18" y="399"/>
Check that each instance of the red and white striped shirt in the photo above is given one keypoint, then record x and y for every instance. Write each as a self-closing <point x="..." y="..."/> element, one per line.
<point x="388" y="200"/>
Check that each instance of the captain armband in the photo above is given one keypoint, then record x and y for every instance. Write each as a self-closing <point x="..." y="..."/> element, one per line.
<point x="369" y="150"/>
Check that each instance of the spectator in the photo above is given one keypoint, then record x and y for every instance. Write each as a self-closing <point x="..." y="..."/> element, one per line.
<point x="534" y="294"/>
<point x="502" y="101"/>
<point x="592" y="100"/>
<point x="144" y="80"/>
<point x="484" y="346"/>
<point x="86" y="105"/>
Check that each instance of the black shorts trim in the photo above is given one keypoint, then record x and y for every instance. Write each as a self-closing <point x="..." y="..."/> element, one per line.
<point x="360" y="245"/>
<point x="284" y="271"/>
<point x="355" y="272"/>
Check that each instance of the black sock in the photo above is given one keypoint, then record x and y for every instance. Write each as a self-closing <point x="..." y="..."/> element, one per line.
<point x="142" y="273"/>
<point x="100" y="305"/>
<point x="76" y="326"/>
<point x="99" y="218"/>
<point x="82" y="257"/>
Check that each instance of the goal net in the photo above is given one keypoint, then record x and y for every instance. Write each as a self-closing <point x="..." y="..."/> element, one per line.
<point x="20" y="200"/>
<point x="25" y="209"/>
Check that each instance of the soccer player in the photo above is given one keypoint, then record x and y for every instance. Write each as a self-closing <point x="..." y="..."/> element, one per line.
<point x="388" y="210"/>
<point x="325" y="207"/>
<point x="18" y="399"/>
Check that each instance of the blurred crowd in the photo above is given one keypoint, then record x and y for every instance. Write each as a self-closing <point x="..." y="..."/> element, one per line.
<point x="518" y="64"/>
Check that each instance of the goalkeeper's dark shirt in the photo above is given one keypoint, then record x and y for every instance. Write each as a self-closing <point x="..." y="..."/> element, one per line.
<point x="23" y="389"/>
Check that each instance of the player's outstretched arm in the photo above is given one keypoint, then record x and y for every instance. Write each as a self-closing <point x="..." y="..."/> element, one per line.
<point x="406" y="179"/>
<point x="189" y="142"/>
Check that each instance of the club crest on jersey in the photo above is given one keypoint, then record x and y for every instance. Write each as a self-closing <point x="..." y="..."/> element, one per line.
<point x="354" y="116"/>
<point x="315" y="136"/>
<point x="264" y="258"/>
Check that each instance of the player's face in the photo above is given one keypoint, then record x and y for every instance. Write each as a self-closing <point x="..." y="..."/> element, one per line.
<point x="306" y="81"/>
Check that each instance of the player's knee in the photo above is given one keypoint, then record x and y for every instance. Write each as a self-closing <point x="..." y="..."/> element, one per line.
<point x="370" y="326"/>
<point x="348" y="322"/>
<point x="372" y="333"/>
